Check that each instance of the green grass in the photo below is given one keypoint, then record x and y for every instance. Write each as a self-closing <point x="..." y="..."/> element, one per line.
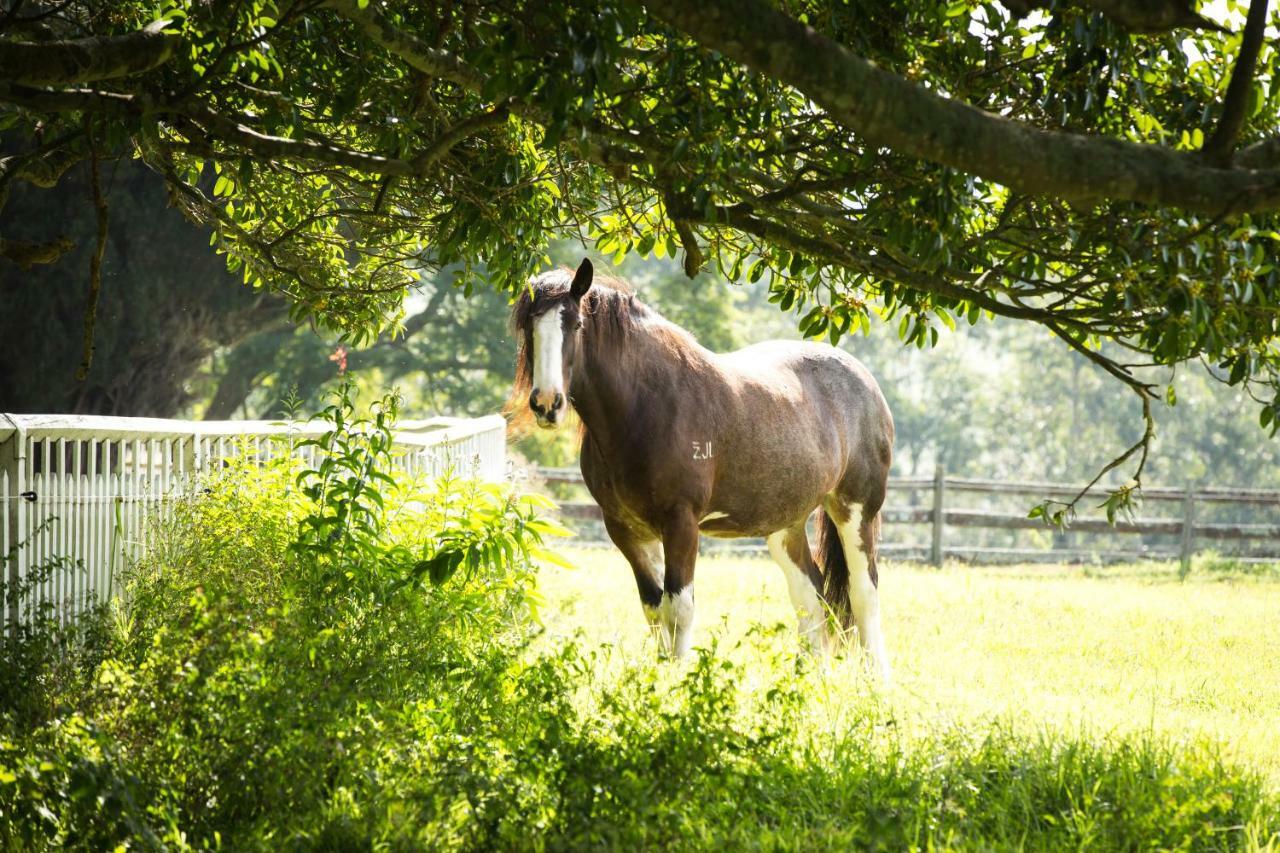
<point x="1107" y="656"/>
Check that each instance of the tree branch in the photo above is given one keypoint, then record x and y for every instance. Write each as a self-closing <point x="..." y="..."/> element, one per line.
<point x="43" y="165"/>
<point x="75" y="100"/>
<point x="1141" y="16"/>
<point x="1217" y="150"/>
<point x="887" y="110"/>
<point x="689" y="241"/>
<point x="416" y="52"/>
<point x="27" y="254"/>
<point x="58" y="63"/>
<point x="1260" y="155"/>
<point x="233" y="131"/>
<point x="464" y="129"/>
<point x="42" y="168"/>
<point x="877" y="265"/>
<point x="95" y="258"/>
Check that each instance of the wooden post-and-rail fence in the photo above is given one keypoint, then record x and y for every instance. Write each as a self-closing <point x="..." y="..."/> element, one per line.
<point x="939" y="502"/>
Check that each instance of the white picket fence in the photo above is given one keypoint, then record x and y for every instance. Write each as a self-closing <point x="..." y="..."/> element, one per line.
<point x="90" y="488"/>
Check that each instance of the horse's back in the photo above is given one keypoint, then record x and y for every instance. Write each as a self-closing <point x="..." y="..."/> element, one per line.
<point x="833" y="382"/>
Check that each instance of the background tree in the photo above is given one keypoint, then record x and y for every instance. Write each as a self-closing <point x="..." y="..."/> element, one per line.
<point x="167" y="302"/>
<point x="1108" y="171"/>
<point x="453" y="354"/>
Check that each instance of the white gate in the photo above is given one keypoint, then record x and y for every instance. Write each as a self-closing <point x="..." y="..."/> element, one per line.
<point x="88" y="488"/>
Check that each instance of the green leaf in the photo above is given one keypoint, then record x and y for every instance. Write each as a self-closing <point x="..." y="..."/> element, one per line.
<point x="439" y="568"/>
<point x="551" y="557"/>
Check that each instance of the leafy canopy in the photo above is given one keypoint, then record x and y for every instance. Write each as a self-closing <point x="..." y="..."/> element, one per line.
<point x="1108" y="170"/>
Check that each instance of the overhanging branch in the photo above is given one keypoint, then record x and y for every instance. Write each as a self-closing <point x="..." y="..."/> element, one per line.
<point x="1141" y="16"/>
<point x="1217" y="150"/>
<point x="26" y="253"/>
<point x="1260" y="155"/>
<point x="890" y="111"/>
<point x="416" y="52"/>
<point x="59" y="63"/>
<point x="603" y="146"/>
<point x="230" y="129"/>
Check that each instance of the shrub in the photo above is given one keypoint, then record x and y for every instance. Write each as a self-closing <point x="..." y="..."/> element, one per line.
<point x="44" y="659"/>
<point x="281" y="626"/>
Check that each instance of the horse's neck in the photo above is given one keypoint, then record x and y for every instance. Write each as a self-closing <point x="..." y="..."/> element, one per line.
<point x="607" y="392"/>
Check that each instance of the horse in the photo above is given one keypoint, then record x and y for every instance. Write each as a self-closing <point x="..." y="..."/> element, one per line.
<point x="680" y="442"/>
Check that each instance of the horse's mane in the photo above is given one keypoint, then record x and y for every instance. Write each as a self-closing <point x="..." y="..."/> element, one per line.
<point x="610" y="308"/>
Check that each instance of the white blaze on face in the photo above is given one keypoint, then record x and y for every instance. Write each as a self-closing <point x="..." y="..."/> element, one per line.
<point x="548" y="354"/>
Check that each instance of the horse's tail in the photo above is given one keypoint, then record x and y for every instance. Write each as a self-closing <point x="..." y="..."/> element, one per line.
<point x="835" y="571"/>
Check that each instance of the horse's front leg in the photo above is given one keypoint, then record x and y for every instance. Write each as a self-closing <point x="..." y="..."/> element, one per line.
<point x="645" y="558"/>
<point x="680" y="553"/>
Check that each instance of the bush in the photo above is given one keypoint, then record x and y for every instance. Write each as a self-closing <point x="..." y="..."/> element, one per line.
<point x="281" y="628"/>
<point x="44" y="660"/>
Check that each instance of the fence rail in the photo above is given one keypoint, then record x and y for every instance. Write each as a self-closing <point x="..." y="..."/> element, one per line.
<point x="88" y="488"/>
<point x="1184" y="531"/>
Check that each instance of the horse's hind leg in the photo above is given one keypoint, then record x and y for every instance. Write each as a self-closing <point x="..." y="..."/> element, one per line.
<point x="790" y="550"/>
<point x="857" y="530"/>
<point x="645" y="557"/>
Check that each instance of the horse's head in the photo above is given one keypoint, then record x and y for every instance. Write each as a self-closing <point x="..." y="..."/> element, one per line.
<point x="547" y="320"/>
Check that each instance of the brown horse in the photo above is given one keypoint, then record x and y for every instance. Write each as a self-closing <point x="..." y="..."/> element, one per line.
<point x="680" y="441"/>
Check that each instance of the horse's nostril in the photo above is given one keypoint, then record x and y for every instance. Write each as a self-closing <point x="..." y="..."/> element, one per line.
<point x="533" y="402"/>
<point x="559" y="401"/>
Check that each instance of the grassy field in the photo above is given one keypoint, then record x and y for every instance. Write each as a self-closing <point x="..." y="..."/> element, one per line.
<point x="1100" y="654"/>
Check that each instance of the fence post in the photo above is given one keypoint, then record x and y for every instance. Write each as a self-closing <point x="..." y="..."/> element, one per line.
<point x="939" y="486"/>
<point x="1188" y="530"/>
<point x="12" y="457"/>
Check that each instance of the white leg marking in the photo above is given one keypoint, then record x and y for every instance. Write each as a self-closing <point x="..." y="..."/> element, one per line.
<point x="548" y="349"/>
<point x="811" y="614"/>
<point x="676" y="613"/>
<point x="864" y="600"/>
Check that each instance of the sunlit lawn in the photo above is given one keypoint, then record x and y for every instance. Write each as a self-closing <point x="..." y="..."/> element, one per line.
<point x="1127" y="650"/>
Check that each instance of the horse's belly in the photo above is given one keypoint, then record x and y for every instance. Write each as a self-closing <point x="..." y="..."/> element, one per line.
<point x="765" y="505"/>
<point x="755" y="524"/>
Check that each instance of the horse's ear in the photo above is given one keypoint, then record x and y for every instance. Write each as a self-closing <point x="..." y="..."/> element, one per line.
<point x="582" y="280"/>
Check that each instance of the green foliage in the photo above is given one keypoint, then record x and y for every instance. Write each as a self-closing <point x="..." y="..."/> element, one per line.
<point x="342" y="532"/>
<point x="267" y="638"/>
<point x="46" y="660"/>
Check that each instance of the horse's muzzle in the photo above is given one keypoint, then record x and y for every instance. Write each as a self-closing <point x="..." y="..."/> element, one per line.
<point x="547" y="408"/>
